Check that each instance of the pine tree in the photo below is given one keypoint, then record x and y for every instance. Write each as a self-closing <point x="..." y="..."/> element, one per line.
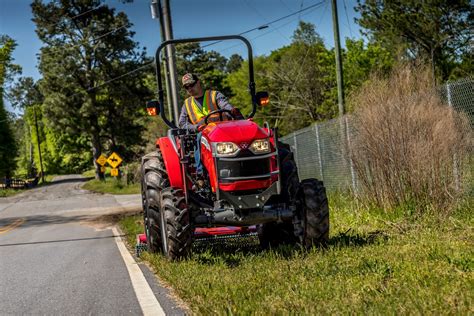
<point x="85" y="45"/>
<point x="8" y="146"/>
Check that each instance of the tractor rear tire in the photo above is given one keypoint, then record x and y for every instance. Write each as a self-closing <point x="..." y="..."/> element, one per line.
<point x="313" y="213"/>
<point x="175" y="224"/>
<point x="154" y="179"/>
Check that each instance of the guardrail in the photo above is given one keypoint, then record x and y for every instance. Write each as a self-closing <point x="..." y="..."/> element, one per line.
<point x="12" y="183"/>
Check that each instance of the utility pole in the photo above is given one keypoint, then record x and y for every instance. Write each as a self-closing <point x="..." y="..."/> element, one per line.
<point x="337" y="48"/>
<point x="164" y="13"/>
<point x="39" y="145"/>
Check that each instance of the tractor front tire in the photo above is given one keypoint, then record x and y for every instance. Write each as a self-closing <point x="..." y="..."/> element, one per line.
<point x="175" y="225"/>
<point x="273" y="234"/>
<point x="154" y="179"/>
<point x="313" y="213"/>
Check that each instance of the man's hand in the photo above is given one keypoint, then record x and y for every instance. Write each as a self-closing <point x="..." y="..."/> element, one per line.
<point x="236" y="114"/>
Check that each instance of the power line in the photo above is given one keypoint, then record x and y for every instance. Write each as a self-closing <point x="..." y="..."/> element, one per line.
<point x="78" y="15"/>
<point x="117" y="78"/>
<point x="274" y="29"/>
<point x="261" y="15"/>
<point x="213" y="43"/>
<point x="110" y="32"/>
<point x="93" y="39"/>
<point x="289" y="22"/>
<point x="301" y="6"/>
<point x="347" y="17"/>
<point x="263" y="26"/>
<point x="284" y="4"/>
<point x="297" y="12"/>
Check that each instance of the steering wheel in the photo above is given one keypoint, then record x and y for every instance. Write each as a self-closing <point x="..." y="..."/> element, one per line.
<point x="220" y="111"/>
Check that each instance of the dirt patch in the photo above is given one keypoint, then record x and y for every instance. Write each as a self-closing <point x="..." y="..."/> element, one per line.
<point x="106" y="221"/>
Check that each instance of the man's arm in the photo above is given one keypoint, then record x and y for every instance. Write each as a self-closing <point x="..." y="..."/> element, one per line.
<point x="222" y="102"/>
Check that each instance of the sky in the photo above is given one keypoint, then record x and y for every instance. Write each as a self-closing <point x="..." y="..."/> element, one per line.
<point x="197" y="18"/>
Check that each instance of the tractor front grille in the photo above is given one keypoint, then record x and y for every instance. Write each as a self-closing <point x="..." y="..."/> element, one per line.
<point x="228" y="170"/>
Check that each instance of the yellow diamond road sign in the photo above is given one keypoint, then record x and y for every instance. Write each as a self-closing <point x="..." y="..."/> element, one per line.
<point x="114" y="172"/>
<point x="102" y="160"/>
<point x="114" y="160"/>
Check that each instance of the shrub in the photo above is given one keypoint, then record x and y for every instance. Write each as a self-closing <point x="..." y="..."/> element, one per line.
<point x="132" y="173"/>
<point x="409" y="149"/>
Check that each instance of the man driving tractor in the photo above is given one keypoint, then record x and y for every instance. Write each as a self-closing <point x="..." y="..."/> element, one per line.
<point x="251" y="177"/>
<point x="199" y="104"/>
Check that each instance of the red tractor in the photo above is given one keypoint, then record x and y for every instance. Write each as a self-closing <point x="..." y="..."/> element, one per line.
<point x="251" y="180"/>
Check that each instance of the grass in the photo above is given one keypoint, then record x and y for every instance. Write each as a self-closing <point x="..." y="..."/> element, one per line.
<point x="89" y="173"/>
<point x="112" y="186"/>
<point x="49" y="178"/>
<point x="8" y="192"/>
<point x="375" y="264"/>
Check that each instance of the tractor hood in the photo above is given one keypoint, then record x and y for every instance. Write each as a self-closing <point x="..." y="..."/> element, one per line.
<point x="234" y="131"/>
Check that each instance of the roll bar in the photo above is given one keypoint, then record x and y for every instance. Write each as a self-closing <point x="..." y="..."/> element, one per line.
<point x="202" y="39"/>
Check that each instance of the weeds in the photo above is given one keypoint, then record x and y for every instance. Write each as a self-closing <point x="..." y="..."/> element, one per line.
<point x="410" y="150"/>
<point x="112" y="186"/>
<point x="8" y="192"/>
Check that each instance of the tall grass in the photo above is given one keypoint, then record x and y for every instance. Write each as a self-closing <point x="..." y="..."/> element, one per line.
<point x="409" y="149"/>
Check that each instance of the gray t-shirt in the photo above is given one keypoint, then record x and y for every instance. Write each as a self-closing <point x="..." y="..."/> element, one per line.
<point x="185" y="122"/>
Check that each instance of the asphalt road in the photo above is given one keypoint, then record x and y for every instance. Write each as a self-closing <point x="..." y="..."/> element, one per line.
<point x="58" y="254"/>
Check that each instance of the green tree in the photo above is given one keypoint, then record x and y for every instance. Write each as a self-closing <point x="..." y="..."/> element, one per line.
<point x="87" y="44"/>
<point x="301" y="78"/>
<point x="306" y="33"/>
<point x="25" y="95"/>
<point x="438" y="31"/>
<point x="238" y="81"/>
<point x="234" y="63"/>
<point x="8" y="146"/>
<point x="361" y="60"/>
<point x="295" y="76"/>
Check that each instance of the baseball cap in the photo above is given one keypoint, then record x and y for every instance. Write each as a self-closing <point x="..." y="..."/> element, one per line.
<point x="189" y="79"/>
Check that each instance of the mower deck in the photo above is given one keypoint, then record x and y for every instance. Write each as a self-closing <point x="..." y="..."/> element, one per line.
<point x="205" y="234"/>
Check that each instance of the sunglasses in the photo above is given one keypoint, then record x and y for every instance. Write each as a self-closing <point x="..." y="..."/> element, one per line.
<point x="189" y="86"/>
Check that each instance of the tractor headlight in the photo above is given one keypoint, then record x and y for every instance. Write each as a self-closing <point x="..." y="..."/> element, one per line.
<point x="260" y="146"/>
<point x="226" y="149"/>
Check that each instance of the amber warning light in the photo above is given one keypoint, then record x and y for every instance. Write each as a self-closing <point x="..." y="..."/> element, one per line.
<point x="264" y="101"/>
<point x="151" y="111"/>
<point x="262" y="98"/>
<point x="153" y="107"/>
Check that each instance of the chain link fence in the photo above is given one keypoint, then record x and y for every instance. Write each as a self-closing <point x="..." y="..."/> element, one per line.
<point x="460" y="95"/>
<point x="320" y="150"/>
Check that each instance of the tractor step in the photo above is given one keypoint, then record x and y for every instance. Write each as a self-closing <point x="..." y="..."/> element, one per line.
<point x="140" y="246"/>
<point x="202" y="232"/>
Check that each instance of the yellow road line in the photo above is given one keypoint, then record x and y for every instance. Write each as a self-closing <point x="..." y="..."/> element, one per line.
<point x="11" y="226"/>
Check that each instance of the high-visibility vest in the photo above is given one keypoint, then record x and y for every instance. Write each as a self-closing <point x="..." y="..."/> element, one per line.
<point x="196" y="113"/>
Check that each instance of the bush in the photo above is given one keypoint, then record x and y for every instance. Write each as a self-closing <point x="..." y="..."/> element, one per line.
<point x="410" y="149"/>
<point x="132" y="173"/>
